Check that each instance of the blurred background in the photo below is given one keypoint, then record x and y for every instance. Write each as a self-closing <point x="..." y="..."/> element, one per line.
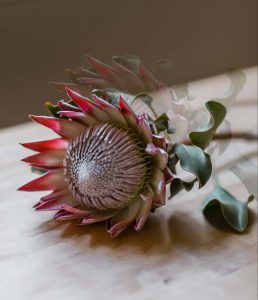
<point x="39" y="39"/>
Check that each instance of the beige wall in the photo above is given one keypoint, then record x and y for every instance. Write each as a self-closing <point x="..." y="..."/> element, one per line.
<point x="39" y="38"/>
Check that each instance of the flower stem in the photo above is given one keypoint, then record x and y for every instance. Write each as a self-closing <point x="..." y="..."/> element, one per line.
<point x="241" y="135"/>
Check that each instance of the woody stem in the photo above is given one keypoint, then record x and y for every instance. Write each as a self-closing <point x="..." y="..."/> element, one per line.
<point x="242" y="135"/>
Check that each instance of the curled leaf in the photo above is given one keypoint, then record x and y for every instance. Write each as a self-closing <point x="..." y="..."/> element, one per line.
<point x="237" y="80"/>
<point x="203" y="137"/>
<point x="72" y="75"/>
<point x="54" y="109"/>
<point x="129" y="61"/>
<point x="234" y="211"/>
<point x="162" y="123"/>
<point x="177" y="185"/>
<point x="246" y="171"/>
<point x="143" y="103"/>
<point x="194" y="160"/>
<point x="38" y="170"/>
<point x="112" y="96"/>
<point x="146" y="98"/>
<point x="223" y="145"/>
<point x="172" y="161"/>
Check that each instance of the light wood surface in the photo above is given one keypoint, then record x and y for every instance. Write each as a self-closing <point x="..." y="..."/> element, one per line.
<point x="178" y="254"/>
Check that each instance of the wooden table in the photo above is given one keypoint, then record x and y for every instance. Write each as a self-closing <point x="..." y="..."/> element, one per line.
<point x="178" y="254"/>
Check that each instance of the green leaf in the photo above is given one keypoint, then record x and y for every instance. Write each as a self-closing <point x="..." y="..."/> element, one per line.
<point x="194" y="160"/>
<point x="177" y="185"/>
<point x="146" y="98"/>
<point x="129" y="61"/>
<point x="143" y="102"/>
<point x="112" y="96"/>
<point x="246" y="171"/>
<point x="237" y="80"/>
<point x="72" y="75"/>
<point x="203" y="138"/>
<point x="161" y="123"/>
<point x="38" y="170"/>
<point x="172" y="161"/>
<point x="224" y="144"/>
<point x="234" y="211"/>
<point x="54" y="109"/>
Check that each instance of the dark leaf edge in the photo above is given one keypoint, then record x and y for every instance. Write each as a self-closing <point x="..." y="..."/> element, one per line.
<point x="202" y="169"/>
<point x="177" y="185"/>
<point x="203" y="137"/>
<point x="234" y="211"/>
<point x="38" y="170"/>
<point x="54" y="109"/>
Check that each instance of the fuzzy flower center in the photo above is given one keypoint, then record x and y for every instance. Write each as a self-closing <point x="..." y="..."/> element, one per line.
<point x="106" y="167"/>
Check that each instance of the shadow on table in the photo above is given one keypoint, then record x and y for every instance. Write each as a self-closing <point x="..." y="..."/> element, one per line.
<point x="159" y="235"/>
<point x="152" y="237"/>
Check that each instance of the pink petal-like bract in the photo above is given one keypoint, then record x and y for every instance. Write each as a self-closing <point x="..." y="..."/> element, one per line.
<point x="107" y="166"/>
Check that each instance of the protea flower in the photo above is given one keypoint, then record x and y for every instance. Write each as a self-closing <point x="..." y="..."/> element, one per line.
<point x="107" y="165"/>
<point x="127" y="74"/>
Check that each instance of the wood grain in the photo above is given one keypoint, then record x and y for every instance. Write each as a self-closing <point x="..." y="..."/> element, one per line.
<point x="178" y="254"/>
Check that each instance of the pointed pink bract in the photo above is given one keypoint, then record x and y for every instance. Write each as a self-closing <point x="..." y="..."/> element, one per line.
<point x="52" y="180"/>
<point x="40" y="146"/>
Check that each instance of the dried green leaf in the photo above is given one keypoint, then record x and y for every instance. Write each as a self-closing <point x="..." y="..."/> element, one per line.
<point x="237" y="80"/>
<point x="246" y="171"/>
<point x="194" y="160"/>
<point x="144" y="97"/>
<point x="129" y="61"/>
<point x="54" y="109"/>
<point x="162" y="122"/>
<point x="234" y="211"/>
<point x="172" y="161"/>
<point x="177" y="185"/>
<point x="72" y="75"/>
<point x="112" y="96"/>
<point x="203" y="137"/>
<point x="38" y="170"/>
<point x="143" y="102"/>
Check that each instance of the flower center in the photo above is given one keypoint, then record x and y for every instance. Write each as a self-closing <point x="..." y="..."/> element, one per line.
<point x="106" y="167"/>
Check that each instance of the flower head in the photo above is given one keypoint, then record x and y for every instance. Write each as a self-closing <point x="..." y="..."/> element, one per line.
<point x="107" y="165"/>
<point x="127" y="74"/>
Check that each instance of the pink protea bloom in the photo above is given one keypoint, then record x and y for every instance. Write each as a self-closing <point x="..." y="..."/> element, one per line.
<point x="126" y="73"/>
<point x="107" y="165"/>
